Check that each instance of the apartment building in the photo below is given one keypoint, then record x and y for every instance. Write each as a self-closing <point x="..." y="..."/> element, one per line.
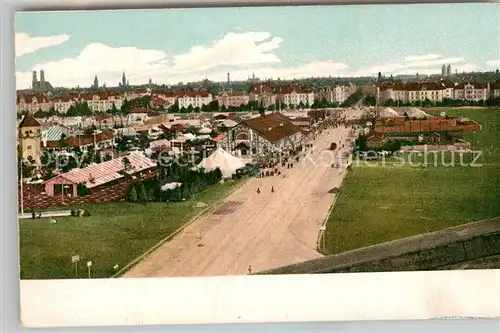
<point x="262" y="93"/>
<point x="471" y="91"/>
<point x="194" y="98"/>
<point x="33" y="103"/>
<point x="233" y="99"/>
<point x="294" y="95"/>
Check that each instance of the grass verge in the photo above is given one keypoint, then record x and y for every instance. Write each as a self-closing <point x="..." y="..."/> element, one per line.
<point x="114" y="234"/>
<point x="383" y="203"/>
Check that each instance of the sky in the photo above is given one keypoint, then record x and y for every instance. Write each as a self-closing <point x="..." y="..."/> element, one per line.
<point x="182" y="45"/>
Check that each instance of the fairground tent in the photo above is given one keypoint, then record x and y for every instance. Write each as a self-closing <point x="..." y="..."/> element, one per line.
<point x="227" y="163"/>
<point x="388" y="112"/>
<point x="416" y="113"/>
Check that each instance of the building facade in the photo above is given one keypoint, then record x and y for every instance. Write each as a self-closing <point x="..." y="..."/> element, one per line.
<point x="471" y="91"/>
<point x="262" y="136"/>
<point x="194" y="98"/>
<point x="232" y="99"/>
<point x="29" y="140"/>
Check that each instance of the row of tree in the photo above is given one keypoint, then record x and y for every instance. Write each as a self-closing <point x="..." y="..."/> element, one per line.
<point x="192" y="182"/>
<point x="352" y="99"/>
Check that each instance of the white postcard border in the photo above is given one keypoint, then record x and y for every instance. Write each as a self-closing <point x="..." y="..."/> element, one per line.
<point x="256" y="299"/>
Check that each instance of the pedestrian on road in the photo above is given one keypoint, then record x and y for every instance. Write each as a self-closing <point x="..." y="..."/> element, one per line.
<point x="258" y="190"/>
<point x="272" y="189"/>
<point x="250" y="269"/>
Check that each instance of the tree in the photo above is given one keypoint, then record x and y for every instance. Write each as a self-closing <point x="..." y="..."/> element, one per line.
<point x="132" y="195"/>
<point x="370" y="100"/>
<point x="143" y="194"/>
<point x="175" y="107"/>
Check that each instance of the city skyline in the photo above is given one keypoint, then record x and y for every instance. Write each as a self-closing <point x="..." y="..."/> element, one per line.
<point x="395" y="39"/>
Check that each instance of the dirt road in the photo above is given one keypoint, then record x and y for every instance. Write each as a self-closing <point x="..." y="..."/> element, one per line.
<point x="264" y="231"/>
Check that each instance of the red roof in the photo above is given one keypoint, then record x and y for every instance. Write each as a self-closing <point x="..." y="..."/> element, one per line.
<point x="219" y="137"/>
<point x="29" y="121"/>
<point x="272" y="127"/>
<point x="105" y="172"/>
<point x="475" y="85"/>
<point x="81" y="140"/>
<point x="288" y="89"/>
<point x="260" y="88"/>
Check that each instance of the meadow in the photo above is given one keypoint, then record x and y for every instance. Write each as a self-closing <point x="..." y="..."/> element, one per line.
<point x="114" y="234"/>
<point x="380" y="202"/>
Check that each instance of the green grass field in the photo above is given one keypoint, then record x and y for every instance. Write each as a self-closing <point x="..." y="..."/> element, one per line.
<point x="382" y="203"/>
<point x="113" y="234"/>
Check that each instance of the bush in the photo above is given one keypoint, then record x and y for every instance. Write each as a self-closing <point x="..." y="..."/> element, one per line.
<point x="86" y="212"/>
<point x="82" y="190"/>
<point x="132" y="194"/>
<point x="142" y="195"/>
<point x="192" y="183"/>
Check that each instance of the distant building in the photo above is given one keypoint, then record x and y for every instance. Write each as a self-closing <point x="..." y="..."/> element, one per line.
<point x="96" y="83"/>
<point x="422" y="91"/>
<point x="495" y="89"/>
<point x="263" y="94"/>
<point x="295" y="95"/>
<point x="232" y="99"/>
<point x="338" y="93"/>
<point x="124" y="82"/>
<point x="194" y="98"/>
<point x="449" y="86"/>
<point x="471" y="91"/>
<point x="33" y="103"/>
<point x="42" y="85"/>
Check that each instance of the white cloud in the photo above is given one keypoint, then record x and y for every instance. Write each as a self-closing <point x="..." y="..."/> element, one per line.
<point x="25" y="44"/>
<point x="96" y="58"/>
<point x="241" y="54"/>
<point x="493" y="63"/>
<point x="414" y="58"/>
<point x="233" y="49"/>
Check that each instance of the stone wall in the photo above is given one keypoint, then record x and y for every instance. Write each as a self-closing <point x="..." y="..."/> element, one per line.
<point x="470" y="246"/>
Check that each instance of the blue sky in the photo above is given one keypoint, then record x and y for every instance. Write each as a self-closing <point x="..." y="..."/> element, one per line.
<point x="174" y="45"/>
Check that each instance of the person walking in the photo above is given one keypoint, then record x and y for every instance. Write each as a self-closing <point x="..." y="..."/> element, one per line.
<point x="250" y="269"/>
<point x="258" y="190"/>
<point x="272" y="189"/>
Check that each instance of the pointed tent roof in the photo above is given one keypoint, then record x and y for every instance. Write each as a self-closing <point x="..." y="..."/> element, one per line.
<point x="227" y="163"/>
<point x="29" y="121"/>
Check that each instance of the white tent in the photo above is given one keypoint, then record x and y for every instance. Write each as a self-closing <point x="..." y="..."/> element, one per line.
<point x="388" y="112"/>
<point x="227" y="163"/>
<point x="205" y="130"/>
<point x="416" y="113"/>
<point x="170" y="186"/>
<point x="189" y="136"/>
